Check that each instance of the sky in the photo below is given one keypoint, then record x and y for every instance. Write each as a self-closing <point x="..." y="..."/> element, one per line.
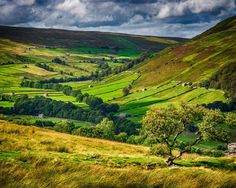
<point x="174" y="18"/>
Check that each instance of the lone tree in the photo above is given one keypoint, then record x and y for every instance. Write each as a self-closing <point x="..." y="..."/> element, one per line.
<point x="125" y="91"/>
<point x="166" y="125"/>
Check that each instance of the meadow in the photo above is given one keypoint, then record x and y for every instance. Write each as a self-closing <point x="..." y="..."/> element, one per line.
<point x="159" y="88"/>
<point x="36" y="157"/>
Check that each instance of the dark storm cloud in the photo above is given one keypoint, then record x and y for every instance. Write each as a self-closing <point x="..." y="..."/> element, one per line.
<point x="184" y="18"/>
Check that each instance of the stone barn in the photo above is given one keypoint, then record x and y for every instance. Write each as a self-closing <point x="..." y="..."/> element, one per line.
<point x="232" y="147"/>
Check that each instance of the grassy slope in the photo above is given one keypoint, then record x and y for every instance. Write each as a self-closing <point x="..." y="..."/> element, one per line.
<point x="196" y="60"/>
<point x="34" y="157"/>
<point x="192" y="61"/>
<point x="78" y="49"/>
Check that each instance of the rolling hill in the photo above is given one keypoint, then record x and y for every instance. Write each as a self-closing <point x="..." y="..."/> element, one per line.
<point x="197" y="60"/>
<point x="114" y="42"/>
<point x="80" y="52"/>
<point x="206" y="60"/>
<point x="60" y="66"/>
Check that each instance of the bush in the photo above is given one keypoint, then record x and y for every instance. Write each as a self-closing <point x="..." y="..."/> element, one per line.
<point x="41" y="123"/>
<point x="222" y="147"/>
<point x="64" y="126"/>
<point x="212" y="153"/>
<point x="122" y="137"/>
<point x="133" y="139"/>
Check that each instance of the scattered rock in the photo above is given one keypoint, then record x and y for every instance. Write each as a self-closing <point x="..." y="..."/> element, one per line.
<point x="96" y="156"/>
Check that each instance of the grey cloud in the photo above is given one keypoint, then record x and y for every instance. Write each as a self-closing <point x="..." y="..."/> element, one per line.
<point x="154" y="17"/>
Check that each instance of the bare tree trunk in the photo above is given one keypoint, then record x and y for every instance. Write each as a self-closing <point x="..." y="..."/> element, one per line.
<point x="170" y="160"/>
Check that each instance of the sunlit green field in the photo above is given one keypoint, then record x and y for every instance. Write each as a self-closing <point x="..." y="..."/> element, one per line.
<point x="82" y="61"/>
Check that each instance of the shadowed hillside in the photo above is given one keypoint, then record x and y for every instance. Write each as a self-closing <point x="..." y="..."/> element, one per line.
<point x="85" y="39"/>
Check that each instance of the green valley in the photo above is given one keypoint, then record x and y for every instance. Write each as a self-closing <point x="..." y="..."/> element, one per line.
<point x="97" y="109"/>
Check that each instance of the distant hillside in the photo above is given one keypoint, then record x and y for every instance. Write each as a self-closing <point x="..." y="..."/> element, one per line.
<point x="85" y="39"/>
<point x="196" y="60"/>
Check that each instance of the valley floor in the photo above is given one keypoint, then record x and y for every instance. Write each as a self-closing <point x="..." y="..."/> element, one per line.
<point x="36" y="157"/>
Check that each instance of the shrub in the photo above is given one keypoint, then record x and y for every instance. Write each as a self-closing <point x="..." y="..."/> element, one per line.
<point x="64" y="126"/>
<point x="122" y="137"/>
<point x="133" y="139"/>
<point x="221" y="147"/>
<point x="41" y="123"/>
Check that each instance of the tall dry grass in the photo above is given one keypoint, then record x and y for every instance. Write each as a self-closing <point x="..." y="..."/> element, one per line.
<point x="35" y="157"/>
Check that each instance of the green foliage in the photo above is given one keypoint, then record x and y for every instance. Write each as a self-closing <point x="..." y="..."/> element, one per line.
<point x="166" y="126"/>
<point x="107" y="128"/>
<point x="159" y="149"/>
<point x="44" y="66"/>
<point x="121" y="137"/>
<point x="225" y="79"/>
<point x="64" y="126"/>
<point x="125" y="91"/>
<point x="44" y="123"/>
<point x="53" y="108"/>
<point x="58" y="61"/>
<point x="135" y="139"/>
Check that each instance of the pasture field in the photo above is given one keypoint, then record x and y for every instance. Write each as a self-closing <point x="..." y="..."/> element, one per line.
<point x="32" y="92"/>
<point x="139" y="101"/>
<point x="78" y="62"/>
<point x="31" y="156"/>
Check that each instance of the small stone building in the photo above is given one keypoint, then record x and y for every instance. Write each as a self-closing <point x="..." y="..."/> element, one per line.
<point x="122" y="115"/>
<point x="232" y="147"/>
<point x="41" y="115"/>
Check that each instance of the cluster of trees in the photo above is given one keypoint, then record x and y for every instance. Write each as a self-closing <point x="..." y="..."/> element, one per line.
<point x="24" y="59"/>
<point x="53" y="108"/>
<point x="4" y="97"/>
<point x="7" y="63"/>
<point x="132" y="63"/>
<point x="103" y="65"/>
<point x="222" y="106"/>
<point x="44" y="66"/>
<point x="95" y="103"/>
<point x="105" y="129"/>
<point x="58" y="61"/>
<point x="68" y="73"/>
<point x="44" y="123"/>
<point x="42" y="85"/>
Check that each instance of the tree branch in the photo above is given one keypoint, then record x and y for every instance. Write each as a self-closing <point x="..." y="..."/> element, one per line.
<point x="189" y="147"/>
<point x="175" y="138"/>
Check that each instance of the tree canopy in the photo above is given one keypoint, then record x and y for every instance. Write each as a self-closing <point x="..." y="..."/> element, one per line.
<point x="166" y="125"/>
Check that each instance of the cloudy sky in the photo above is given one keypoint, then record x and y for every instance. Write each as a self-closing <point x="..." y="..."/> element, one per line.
<point x="181" y="18"/>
